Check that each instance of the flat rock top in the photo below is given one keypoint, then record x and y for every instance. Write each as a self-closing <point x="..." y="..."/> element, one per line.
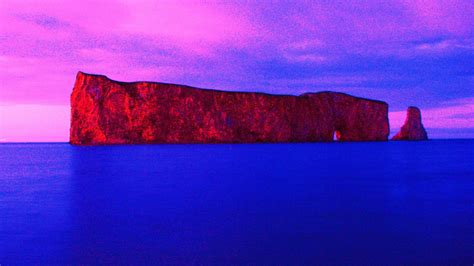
<point x="81" y="76"/>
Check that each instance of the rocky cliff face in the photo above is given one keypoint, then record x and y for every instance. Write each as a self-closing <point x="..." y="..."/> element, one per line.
<point x="412" y="129"/>
<point x="104" y="111"/>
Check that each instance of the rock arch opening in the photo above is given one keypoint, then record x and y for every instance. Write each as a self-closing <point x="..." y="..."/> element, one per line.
<point x="336" y="135"/>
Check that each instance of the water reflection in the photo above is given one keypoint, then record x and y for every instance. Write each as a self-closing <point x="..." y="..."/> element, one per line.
<point x="231" y="204"/>
<point x="35" y="202"/>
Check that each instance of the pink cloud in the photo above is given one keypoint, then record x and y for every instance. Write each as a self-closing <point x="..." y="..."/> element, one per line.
<point x="191" y="26"/>
<point x="449" y="16"/>
<point x="208" y="22"/>
<point x="92" y="15"/>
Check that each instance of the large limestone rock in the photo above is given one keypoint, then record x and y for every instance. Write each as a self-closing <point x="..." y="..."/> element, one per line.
<point x="104" y="111"/>
<point x="412" y="129"/>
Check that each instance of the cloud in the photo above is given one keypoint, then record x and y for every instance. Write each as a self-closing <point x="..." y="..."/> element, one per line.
<point x="304" y="51"/>
<point x="445" y="45"/>
<point x="192" y="26"/>
<point x="208" y="22"/>
<point x="45" y="21"/>
<point x="305" y="58"/>
<point x="303" y="45"/>
<point x="453" y="17"/>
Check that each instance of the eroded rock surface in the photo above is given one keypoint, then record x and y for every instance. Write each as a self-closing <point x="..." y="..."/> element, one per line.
<point x="104" y="111"/>
<point x="412" y="129"/>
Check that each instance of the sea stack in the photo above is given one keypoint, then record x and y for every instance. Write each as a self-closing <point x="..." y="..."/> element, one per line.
<point x="412" y="129"/>
<point x="104" y="111"/>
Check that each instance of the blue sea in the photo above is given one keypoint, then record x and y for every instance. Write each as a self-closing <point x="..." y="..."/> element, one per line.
<point x="377" y="203"/>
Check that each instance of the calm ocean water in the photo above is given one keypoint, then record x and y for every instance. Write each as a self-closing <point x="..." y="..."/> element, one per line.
<point x="329" y="203"/>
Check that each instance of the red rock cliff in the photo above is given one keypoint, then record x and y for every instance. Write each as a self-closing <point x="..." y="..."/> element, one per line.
<point x="412" y="129"/>
<point x="104" y="111"/>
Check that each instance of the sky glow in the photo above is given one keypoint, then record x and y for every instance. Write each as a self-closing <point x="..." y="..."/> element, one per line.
<point x="404" y="52"/>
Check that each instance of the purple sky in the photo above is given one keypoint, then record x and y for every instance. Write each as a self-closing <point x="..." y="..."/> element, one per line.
<point x="405" y="52"/>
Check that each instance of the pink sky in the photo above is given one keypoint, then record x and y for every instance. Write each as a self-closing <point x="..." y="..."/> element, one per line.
<point x="403" y="52"/>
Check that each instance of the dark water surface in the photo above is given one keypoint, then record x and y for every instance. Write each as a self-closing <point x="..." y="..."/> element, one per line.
<point x="335" y="203"/>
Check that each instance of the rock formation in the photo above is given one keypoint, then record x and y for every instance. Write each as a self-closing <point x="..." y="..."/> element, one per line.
<point x="412" y="129"/>
<point x="104" y="111"/>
